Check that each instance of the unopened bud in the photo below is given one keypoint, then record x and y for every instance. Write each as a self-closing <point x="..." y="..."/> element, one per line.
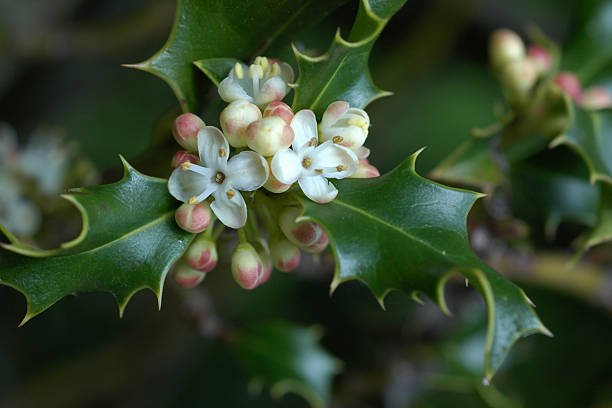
<point x="285" y="255"/>
<point x="193" y="218"/>
<point x="247" y="267"/>
<point x="279" y="109"/>
<point x="540" y="57"/>
<point x="269" y="135"/>
<point x="186" y="276"/>
<point x="183" y="156"/>
<point x="236" y="118"/>
<point x="185" y="130"/>
<point x="273" y="185"/>
<point x="202" y="255"/>
<point x="320" y="245"/>
<point x="505" y="46"/>
<point x="344" y="125"/>
<point x="570" y="84"/>
<point x="365" y="170"/>
<point x="596" y="98"/>
<point x="261" y="246"/>
<point x="518" y="77"/>
<point x="304" y="233"/>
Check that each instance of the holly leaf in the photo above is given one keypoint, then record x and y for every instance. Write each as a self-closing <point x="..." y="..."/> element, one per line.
<point x="342" y="73"/>
<point x="602" y="231"/>
<point x="404" y="232"/>
<point x="211" y="29"/>
<point x="591" y="138"/>
<point x="290" y="359"/>
<point x="128" y="242"/>
<point x="216" y="69"/>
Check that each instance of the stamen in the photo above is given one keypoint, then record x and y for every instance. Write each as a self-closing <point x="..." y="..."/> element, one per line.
<point x="306" y="163"/>
<point x="193" y="200"/>
<point x="359" y="122"/>
<point x="337" y="139"/>
<point x="230" y="194"/>
<point x="275" y="69"/>
<point x="319" y="171"/>
<point x="185" y="165"/>
<point x="340" y="167"/>
<point x="239" y="70"/>
<point x="256" y="73"/>
<point x="312" y="141"/>
<point x="222" y="152"/>
<point x="219" y="177"/>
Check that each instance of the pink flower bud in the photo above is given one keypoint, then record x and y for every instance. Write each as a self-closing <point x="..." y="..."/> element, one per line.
<point x="269" y="135"/>
<point x="247" y="267"/>
<point x="285" y="255"/>
<point x="505" y="46"/>
<point x="540" y="57"/>
<point x="304" y="233"/>
<point x="279" y="109"/>
<point x="236" y="118"/>
<point x="202" y="255"/>
<point x="365" y="170"/>
<point x="185" y="276"/>
<point x="185" y="130"/>
<point x="183" y="156"/>
<point x="570" y="84"/>
<point x="320" y="245"/>
<point x="272" y="184"/>
<point x="596" y="98"/>
<point x="193" y="218"/>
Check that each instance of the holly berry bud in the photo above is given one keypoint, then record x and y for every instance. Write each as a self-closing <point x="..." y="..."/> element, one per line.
<point x="236" y="118"/>
<point x="570" y="84"/>
<point x="365" y="170"/>
<point x="279" y="109"/>
<point x="247" y="267"/>
<point x="186" y="276"/>
<point x="269" y="135"/>
<point x="307" y="235"/>
<point x="505" y="46"/>
<point x="183" y="156"/>
<point x="285" y="255"/>
<point x="185" y="130"/>
<point x="193" y="218"/>
<point x="202" y="255"/>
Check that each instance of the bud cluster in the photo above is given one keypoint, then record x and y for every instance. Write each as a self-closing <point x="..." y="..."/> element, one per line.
<point x="261" y="142"/>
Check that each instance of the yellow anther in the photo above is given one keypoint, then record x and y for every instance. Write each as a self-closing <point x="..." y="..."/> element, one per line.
<point x="192" y="201"/>
<point x="230" y="194"/>
<point x="185" y="165"/>
<point x="255" y="71"/>
<point x="306" y="163"/>
<point x="359" y="122"/>
<point x="340" y="167"/>
<point x="319" y="171"/>
<point x="337" y="139"/>
<point x="312" y="141"/>
<point x="239" y="70"/>
<point x="222" y="152"/>
<point x="275" y="70"/>
<point x="263" y="61"/>
<point x="219" y="177"/>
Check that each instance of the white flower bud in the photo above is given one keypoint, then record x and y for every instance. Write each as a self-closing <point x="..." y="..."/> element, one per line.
<point x="570" y="84"/>
<point x="285" y="255"/>
<point x="247" y="267"/>
<point x="307" y="235"/>
<point x="185" y="130"/>
<point x="505" y="46"/>
<point x="269" y="135"/>
<point x="344" y="125"/>
<point x="235" y="119"/>
<point x="193" y="218"/>
<point x="280" y="109"/>
<point x="202" y="255"/>
<point x="186" y="276"/>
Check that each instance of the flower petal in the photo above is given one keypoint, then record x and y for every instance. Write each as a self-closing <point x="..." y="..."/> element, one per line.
<point x="213" y="148"/>
<point x="334" y="111"/>
<point x="229" y="207"/>
<point x="304" y="125"/>
<point x="335" y="161"/>
<point x="286" y="166"/>
<point x="230" y="90"/>
<point x="318" y="189"/>
<point x="274" y="89"/>
<point x="247" y="171"/>
<point x="287" y="72"/>
<point x="186" y="184"/>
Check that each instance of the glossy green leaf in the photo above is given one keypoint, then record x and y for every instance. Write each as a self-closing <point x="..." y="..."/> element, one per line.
<point x="289" y="358"/>
<point x="212" y="29"/>
<point x="602" y="231"/>
<point x="404" y="232"/>
<point x="591" y="138"/>
<point x="216" y="69"/>
<point x="342" y="73"/>
<point x="129" y="241"/>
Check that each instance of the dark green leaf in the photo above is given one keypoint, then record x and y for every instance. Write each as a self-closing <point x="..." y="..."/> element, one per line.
<point x="289" y="359"/>
<point x="404" y="232"/>
<point x="129" y="241"/>
<point x="342" y="73"/>
<point x="602" y="231"/>
<point x="231" y="28"/>
<point x="216" y="68"/>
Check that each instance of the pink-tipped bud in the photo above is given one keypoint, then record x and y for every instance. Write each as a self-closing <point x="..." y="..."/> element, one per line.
<point x="279" y="109"/>
<point x="540" y="57"/>
<point x="570" y="84"/>
<point x="183" y="156"/>
<point x="202" y="255"/>
<point x="261" y="246"/>
<point x="269" y="135"/>
<point x="247" y="267"/>
<point x="236" y="118"/>
<point x="596" y="98"/>
<point x="518" y="77"/>
<point x="273" y="185"/>
<point x="185" y="130"/>
<point x="365" y="170"/>
<point x="505" y="46"/>
<point x="186" y="276"/>
<point x="193" y="218"/>
<point x="304" y="233"/>
<point x="320" y="245"/>
<point x="285" y="255"/>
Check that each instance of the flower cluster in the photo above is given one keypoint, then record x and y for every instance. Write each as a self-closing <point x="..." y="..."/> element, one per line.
<point x="261" y="143"/>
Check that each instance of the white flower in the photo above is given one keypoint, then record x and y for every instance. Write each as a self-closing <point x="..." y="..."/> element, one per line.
<point x="311" y="165"/>
<point x="216" y="176"/>
<point x="345" y="126"/>
<point x="260" y="83"/>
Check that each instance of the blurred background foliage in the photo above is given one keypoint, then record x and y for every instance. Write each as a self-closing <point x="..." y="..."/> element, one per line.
<point x="60" y="70"/>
